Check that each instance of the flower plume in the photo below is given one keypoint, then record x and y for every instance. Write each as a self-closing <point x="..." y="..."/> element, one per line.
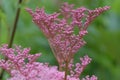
<point x="60" y="31"/>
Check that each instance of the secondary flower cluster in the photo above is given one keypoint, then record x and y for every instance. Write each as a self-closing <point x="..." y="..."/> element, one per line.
<point x="23" y="66"/>
<point x="61" y="31"/>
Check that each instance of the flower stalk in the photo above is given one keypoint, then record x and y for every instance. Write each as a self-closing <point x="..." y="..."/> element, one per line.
<point x="15" y="25"/>
<point x="66" y="70"/>
<point x="0" y="31"/>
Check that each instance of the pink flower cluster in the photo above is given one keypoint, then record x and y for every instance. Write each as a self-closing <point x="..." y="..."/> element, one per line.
<point x="61" y="31"/>
<point x="23" y="66"/>
<point x="63" y="40"/>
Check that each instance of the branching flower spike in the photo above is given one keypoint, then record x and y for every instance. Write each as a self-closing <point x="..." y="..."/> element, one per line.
<point x="61" y="31"/>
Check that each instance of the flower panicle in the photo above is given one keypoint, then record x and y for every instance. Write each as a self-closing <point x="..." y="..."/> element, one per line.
<point x="61" y="33"/>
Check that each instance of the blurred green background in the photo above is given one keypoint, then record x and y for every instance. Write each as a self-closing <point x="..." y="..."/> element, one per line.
<point x="103" y="40"/>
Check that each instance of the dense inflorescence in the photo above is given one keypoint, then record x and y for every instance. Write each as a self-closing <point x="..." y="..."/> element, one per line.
<point x="61" y="31"/>
<point x="23" y="66"/>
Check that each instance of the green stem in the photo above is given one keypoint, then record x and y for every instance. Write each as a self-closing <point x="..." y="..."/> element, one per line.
<point x="14" y="26"/>
<point x="66" y="69"/>
<point x="0" y="31"/>
<point x="13" y="33"/>
<point x="54" y="53"/>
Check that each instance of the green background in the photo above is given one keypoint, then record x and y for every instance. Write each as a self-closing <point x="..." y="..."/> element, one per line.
<point x="103" y="40"/>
